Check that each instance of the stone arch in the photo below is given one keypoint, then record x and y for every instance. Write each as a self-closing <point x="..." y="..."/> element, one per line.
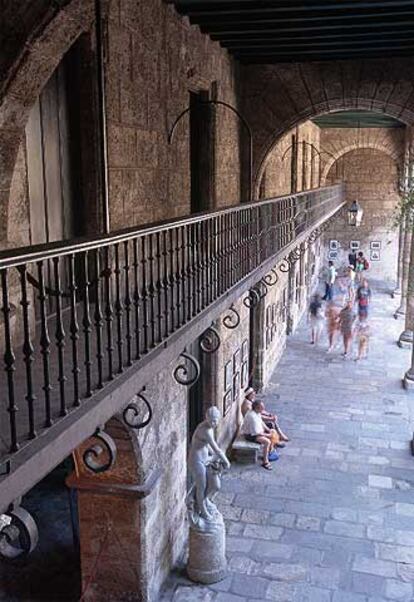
<point x="112" y="519"/>
<point x="26" y="77"/>
<point x="279" y="97"/>
<point x="392" y="153"/>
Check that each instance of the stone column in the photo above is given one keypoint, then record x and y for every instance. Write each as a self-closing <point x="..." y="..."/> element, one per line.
<point x="406" y="337"/>
<point x="397" y="290"/>
<point x="405" y="269"/>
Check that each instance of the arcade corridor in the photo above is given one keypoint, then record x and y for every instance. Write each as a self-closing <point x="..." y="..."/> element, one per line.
<point x="334" y="521"/>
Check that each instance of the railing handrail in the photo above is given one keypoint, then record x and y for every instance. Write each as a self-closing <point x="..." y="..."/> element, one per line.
<point x="13" y="257"/>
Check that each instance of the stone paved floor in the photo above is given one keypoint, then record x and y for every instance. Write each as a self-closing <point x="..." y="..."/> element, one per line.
<point x="334" y="521"/>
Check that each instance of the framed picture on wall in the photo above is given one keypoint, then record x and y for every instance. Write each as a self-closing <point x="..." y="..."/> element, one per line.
<point x="228" y="375"/>
<point x="227" y="401"/>
<point x="236" y="361"/>
<point x="236" y="386"/>
<point x="375" y="255"/>
<point x="244" y="375"/>
<point x="333" y="245"/>
<point x="332" y="255"/>
<point x="375" y="245"/>
<point x="245" y="350"/>
<point x="354" y="245"/>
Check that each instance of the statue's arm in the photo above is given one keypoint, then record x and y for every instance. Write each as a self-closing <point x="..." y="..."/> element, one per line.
<point x="213" y="445"/>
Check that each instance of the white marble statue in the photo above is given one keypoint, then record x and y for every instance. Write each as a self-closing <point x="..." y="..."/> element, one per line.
<point x="206" y="462"/>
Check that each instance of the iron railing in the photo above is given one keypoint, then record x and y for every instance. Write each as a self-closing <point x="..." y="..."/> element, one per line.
<point x="77" y="314"/>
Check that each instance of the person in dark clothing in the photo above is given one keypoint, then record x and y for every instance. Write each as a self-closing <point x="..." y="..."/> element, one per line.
<point x="352" y="259"/>
<point x="363" y="298"/>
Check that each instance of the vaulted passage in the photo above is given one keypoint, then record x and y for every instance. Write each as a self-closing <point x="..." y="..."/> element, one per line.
<point x="178" y="178"/>
<point x="334" y="520"/>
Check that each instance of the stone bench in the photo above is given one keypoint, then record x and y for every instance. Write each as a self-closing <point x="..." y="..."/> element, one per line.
<point x="244" y="452"/>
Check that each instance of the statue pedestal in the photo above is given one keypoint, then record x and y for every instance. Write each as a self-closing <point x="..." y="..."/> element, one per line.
<point x="207" y="559"/>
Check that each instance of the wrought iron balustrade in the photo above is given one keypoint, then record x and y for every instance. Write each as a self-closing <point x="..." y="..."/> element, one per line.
<point x="76" y="314"/>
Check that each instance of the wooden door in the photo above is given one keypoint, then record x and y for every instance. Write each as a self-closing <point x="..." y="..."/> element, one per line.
<point x="51" y="141"/>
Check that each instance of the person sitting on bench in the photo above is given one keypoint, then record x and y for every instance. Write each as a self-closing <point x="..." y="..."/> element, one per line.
<point x="255" y="430"/>
<point x="270" y="420"/>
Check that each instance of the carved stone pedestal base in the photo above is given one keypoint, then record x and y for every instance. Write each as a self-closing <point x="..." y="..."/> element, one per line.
<point x="207" y="559"/>
<point x="406" y="339"/>
<point x="408" y="381"/>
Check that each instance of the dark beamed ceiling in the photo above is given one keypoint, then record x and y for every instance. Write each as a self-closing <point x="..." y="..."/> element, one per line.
<point x="275" y="31"/>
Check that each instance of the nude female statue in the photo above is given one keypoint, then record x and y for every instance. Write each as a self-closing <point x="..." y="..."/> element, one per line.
<point x="206" y="462"/>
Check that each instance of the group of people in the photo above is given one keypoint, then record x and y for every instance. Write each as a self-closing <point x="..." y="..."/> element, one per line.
<point x="344" y="308"/>
<point x="260" y="426"/>
<point x="342" y="295"/>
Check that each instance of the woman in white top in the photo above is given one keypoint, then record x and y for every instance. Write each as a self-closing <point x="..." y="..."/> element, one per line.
<point x="254" y="429"/>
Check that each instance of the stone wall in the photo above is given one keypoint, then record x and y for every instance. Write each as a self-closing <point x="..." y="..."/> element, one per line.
<point x="371" y="177"/>
<point x="297" y="150"/>
<point x="155" y="59"/>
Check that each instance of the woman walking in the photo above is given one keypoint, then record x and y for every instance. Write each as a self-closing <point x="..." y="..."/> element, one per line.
<point x="315" y="318"/>
<point x="346" y="322"/>
<point x="332" y="322"/>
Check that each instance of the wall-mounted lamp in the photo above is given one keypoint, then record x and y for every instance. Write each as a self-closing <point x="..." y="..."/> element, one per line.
<point x="355" y="213"/>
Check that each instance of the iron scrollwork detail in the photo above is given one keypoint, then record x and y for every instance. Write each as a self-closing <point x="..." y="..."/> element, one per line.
<point x="18" y="534"/>
<point x="271" y="278"/>
<point x="132" y="413"/>
<point x="285" y="265"/>
<point x="209" y="341"/>
<point x="185" y="376"/>
<point x="252" y="299"/>
<point x="101" y="456"/>
<point x="232" y="319"/>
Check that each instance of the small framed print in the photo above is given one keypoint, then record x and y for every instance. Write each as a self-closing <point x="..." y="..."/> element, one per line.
<point x="332" y="255"/>
<point x="354" y="245"/>
<point x="375" y="245"/>
<point x="236" y="386"/>
<point x="227" y="401"/>
<point x="245" y="350"/>
<point x="333" y="245"/>
<point x="375" y="255"/>
<point x="236" y="361"/>
<point x="228" y="375"/>
<point x="244" y="374"/>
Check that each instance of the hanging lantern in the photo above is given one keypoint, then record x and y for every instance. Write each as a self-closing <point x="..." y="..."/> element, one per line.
<point x="355" y="213"/>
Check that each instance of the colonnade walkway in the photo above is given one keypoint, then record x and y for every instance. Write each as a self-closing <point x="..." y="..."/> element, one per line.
<point x="334" y="520"/>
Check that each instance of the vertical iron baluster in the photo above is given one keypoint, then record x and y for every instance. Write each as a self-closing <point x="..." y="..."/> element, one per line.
<point x="60" y="336"/>
<point x="28" y="351"/>
<point x="175" y="280"/>
<point x="219" y="256"/>
<point x="44" y="344"/>
<point x="98" y="318"/>
<point x="188" y="243"/>
<point x="144" y="295"/>
<point x="159" y="287"/>
<point x="109" y="313"/>
<point x="203" y="236"/>
<point x="87" y="325"/>
<point x="127" y="305"/>
<point x="136" y="298"/>
<point x="74" y="329"/>
<point x="183" y="275"/>
<point x="151" y="287"/>
<point x="199" y="253"/>
<point x="166" y="238"/>
<point x="119" y="310"/>
<point x="9" y="361"/>
<point x="216" y="255"/>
